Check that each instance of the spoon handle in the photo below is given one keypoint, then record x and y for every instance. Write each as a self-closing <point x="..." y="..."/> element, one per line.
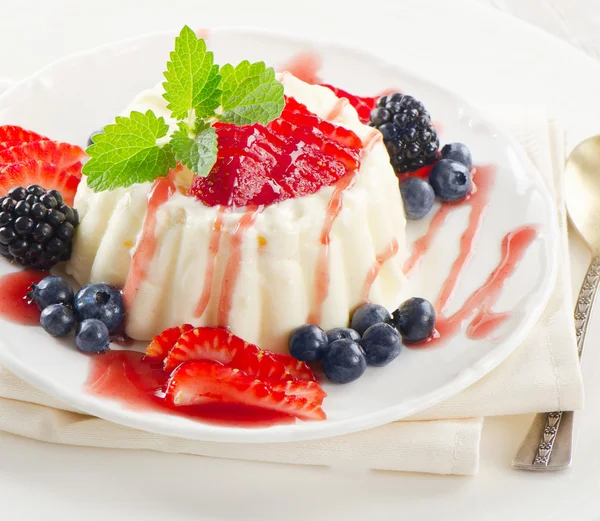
<point x="549" y="442"/>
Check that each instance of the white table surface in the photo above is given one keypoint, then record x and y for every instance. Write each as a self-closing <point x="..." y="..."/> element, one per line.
<point x="42" y="481"/>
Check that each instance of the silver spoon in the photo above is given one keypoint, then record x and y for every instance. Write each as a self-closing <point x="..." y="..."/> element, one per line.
<point x="549" y="442"/>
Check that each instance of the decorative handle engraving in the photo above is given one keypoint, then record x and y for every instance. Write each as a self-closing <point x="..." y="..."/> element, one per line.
<point x="583" y="310"/>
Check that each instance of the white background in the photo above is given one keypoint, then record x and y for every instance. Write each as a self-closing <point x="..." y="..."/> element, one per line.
<point x="40" y="481"/>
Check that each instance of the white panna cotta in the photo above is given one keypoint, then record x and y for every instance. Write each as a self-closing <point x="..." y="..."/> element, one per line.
<point x="260" y="272"/>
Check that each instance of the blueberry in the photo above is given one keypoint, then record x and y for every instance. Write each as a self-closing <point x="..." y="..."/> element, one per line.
<point x="92" y="336"/>
<point x="414" y="319"/>
<point x="308" y="343"/>
<point x="367" y="315"/>
<point x="51" y="290"/>
<point x="58" y="320"/>
<point x="450" y="180"/>
<point x="102" y="302"/>
<point x="342" y="332"/>
<point x="344" y="361"/>
<point x="418" y="197"/>
<point x="381" y="343"/>
<point x="458" y="152"/>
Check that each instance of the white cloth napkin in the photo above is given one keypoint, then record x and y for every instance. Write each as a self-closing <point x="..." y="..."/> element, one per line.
<point x="541" y="375"/>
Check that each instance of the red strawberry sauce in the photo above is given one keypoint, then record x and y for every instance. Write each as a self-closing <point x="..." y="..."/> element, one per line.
<point x="514" y="247"/>
<point x="213" y="250"/>
<point x="14" y="305"/>
<point x="234" y="265"/>
<point x="127" y="377"/>
<point x="162" y="189"/>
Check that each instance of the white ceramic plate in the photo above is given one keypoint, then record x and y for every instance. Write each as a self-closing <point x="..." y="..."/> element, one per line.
<point x="74" y="96"/>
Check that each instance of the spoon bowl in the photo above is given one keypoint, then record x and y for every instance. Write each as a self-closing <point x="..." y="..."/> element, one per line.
<point x="583" y="190"/>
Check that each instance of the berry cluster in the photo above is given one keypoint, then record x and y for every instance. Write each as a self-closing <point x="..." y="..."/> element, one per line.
<point x="408" y="133"/>
<point x="374" y="338"/>
<point x="36" y="227"/>
<point x="449" y="181"/>
<point x="96" y="310"/>
<point x="412" y="143"/>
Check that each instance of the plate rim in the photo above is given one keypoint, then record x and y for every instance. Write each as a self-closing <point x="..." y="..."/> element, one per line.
<point x="274" y="434"/>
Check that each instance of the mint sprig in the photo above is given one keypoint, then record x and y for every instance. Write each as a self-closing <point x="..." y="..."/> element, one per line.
<point x="251" y="94"/>
<point x="192" y="78"/>
<point x="196" y="150"/>
<point x="198" y="92"/>
<point x="127" y="152"/>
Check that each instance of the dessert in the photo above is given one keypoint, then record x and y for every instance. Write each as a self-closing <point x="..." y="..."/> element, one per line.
<point x="212" y="262"/>
<point x="243" y="225"/>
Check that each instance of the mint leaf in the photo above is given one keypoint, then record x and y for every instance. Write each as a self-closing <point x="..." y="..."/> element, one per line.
<point x="197" y="152"/>
<point x="192" y="78"/>
<point x="127" y="152"/>
<point x="251" y="94"/>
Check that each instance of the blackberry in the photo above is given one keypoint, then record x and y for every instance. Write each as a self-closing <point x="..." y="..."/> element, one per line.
<point x="408" y="133"/>
<point x="36" y="227"/>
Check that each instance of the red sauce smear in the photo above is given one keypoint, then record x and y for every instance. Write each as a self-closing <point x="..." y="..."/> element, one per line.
<point x="126" y="376"/>
<point x="514" y="246"/>
<point x="14" y="304"/>
<point x="340" y="105"/>
<point x="203" y="32"/>
<point x="322" y="275"/>
<point x="213" y="250"/>
<point x="161" y="191"/>
<point x="305" y="66"/>
<point x="388" y="253"/>
<point x="234" y="265"/>
<point x="479" y="304"/>
<point x="484" y="178"/>
<point x="322" y="269"/>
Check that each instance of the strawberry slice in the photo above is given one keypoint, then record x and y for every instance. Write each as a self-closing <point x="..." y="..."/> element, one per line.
<point x="195" y="383"/>
<point x="261" y="364"/>
<point x="61" y="155"/>
<point x="40" y="173"/>
<point x="204" y="343"/>
<point x="220" y="345"/>
<point x="295" y="367"/>
<point x="312" y="391"/>
<point x="294" y="155"/>
<point x="9" y="144"/>
<point x="161" y="344"/>
<point x="14" y="133"/>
